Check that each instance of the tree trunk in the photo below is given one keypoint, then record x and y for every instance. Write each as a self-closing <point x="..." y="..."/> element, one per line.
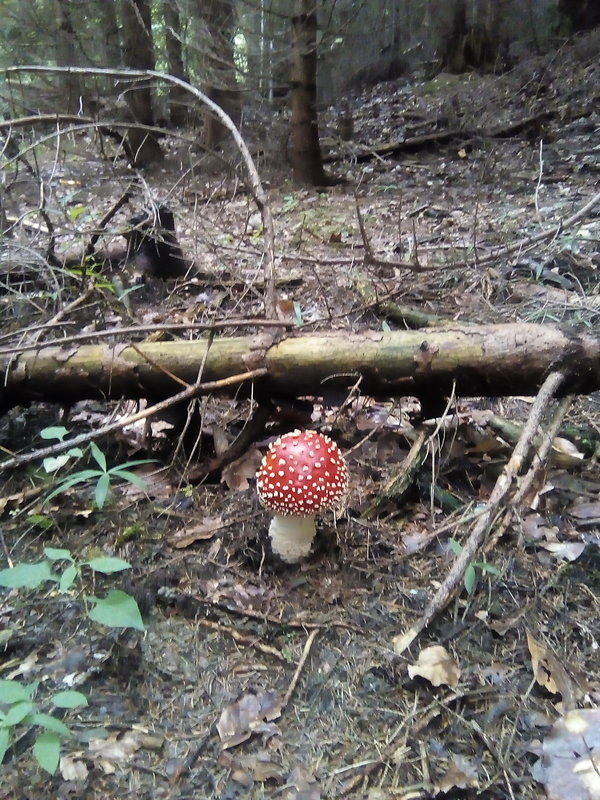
<point x="138" y="53"/>
<point x="109" y="33"/>
<point x="217" y="18"/>
<point x="467" y="360"/>
<point x="110" y="55"/>
<point x="304" y="148"/>
<point x="68" y="55"/>
<point x="178" y="97"/>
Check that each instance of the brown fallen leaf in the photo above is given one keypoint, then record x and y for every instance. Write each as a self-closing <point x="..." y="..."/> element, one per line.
<point x="238" y="474"/>
<point x="413" y="542"/>
<point x="303" y="785"/>
<point x="549" y="672"/>
<point x="201" y="532"/>
<point x="437" y="666"/>
<point x="497" y="673"/>
<point x="261" y="767"/>
<point x="565" y="454"/>
<point x="585" y="510"/>
<point x="12" y="501"/>
<point x="158" y="483"/>
<point x="242" y="777"/>
<point x="564" y="551"/>
<point x="534" y="528"/>
<point x="250" y="714"/>
<point x="502" y="626"/>
<point x="117" y="747"/>
<point x="460" y="774"/>
<point x="73" y="769"/>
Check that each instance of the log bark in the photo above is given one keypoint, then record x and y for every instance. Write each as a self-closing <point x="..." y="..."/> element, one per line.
<point x="469" y="360"/>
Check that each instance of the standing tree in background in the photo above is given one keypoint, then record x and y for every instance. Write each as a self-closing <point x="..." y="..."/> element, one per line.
<point x="138" y="53"/>
<point x="68" y="55"/>
<point x="304" y="148"/>
<point x="108" y="29"/>
<point x="178" y="97"/>
<point x="215" y="20"/>
<point x="107" y="52"/>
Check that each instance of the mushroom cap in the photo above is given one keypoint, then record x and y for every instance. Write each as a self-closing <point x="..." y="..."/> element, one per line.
<point x="303" y="472"/>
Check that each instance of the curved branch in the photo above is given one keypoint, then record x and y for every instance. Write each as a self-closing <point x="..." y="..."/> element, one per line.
<point x="259" y="194"/>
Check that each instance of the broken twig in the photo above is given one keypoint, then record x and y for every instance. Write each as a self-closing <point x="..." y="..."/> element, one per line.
<point x="495" y="506"/>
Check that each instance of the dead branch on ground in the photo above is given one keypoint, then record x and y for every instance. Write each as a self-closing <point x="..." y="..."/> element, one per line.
<point x="494" y="509"/>
<point x="187" y="394"/>
<point x="478" y="360"/>
<point x="259" y="194"/>
<point x="296" y="676"/>
<point x="521" y="246"/>
<point x="413" y="144"/>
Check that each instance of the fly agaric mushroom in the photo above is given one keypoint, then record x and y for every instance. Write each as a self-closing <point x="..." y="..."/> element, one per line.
<point x="302" y="473"/>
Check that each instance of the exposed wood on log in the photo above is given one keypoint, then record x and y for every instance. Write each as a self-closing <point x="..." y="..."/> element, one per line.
<point x="471" y="360"/>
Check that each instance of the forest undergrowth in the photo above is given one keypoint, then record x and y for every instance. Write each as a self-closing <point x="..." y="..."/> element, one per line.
<point x="248" y="678"/>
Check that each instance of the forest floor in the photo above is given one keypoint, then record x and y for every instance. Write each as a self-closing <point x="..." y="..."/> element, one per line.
<point x="254" y="680"/>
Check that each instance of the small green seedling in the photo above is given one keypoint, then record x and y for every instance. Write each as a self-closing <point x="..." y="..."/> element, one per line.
<point x="76" y="211"/>
<point x="298" y="318"/>
<point x="117" y="610"/>
<point x="52" y="463"/>
<point x="471" y="578"/>
<point x="290" y="202"/>
<point x="103" y="475"/>
<point x="20" y="712"/>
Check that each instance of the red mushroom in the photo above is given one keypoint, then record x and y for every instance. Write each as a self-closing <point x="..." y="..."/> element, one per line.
<point x="301" y="474"/>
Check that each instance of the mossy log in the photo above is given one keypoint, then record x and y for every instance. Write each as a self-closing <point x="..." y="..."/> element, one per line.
<point x="469" y="360"/>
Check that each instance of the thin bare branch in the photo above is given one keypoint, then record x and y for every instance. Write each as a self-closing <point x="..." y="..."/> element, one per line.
<point x="495" y="507"/>
<point x="259" y="193"/>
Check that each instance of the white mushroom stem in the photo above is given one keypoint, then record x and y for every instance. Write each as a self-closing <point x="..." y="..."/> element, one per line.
<point x="291" y="537"/>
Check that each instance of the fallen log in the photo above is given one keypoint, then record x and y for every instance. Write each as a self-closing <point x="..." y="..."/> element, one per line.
<point x="469" y="360"/>
<point x="412" y="144"/>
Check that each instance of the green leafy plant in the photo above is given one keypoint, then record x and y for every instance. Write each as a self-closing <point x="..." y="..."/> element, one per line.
<point x="40" y="521"/>
<point x="103" y="475"/>
<point x="19" y="712"/>
<point x="53" y="463"/>
<point x="471" y="578"/>
<point x="298" y="318"/>
<point x="117" y="610"/>
<point x="290" y="202"/>
<point x="76" y="211"/>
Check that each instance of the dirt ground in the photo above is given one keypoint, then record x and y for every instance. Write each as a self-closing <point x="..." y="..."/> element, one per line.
<point x="253" y="679"/>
